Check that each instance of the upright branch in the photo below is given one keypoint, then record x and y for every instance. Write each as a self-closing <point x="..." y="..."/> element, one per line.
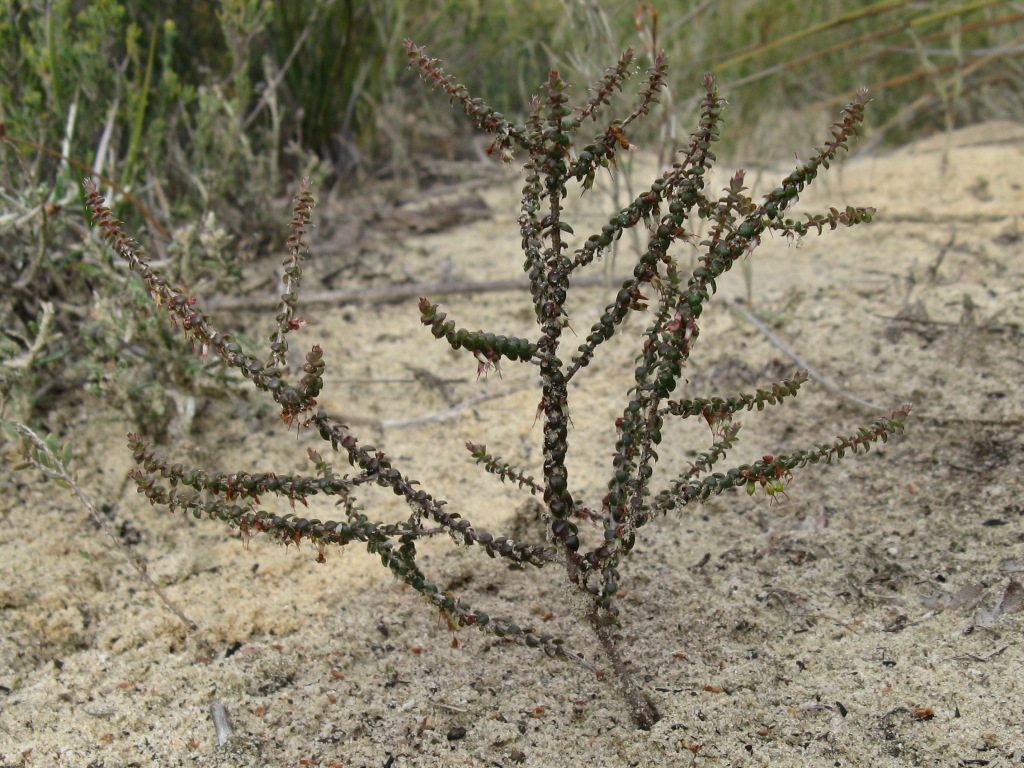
<point x="297" y="249"/>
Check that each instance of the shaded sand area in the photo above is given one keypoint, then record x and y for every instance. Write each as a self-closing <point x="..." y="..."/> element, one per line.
<point x="872" y="618"/>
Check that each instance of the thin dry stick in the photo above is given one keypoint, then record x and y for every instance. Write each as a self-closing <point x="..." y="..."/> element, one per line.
<point x="388" y="293"/>
<point x="787" y="350"/>
<point x="275" y="82"/>
<point x="448" y="413"/>
<point x="58" y="471"/>
<point x="221" y="722"/>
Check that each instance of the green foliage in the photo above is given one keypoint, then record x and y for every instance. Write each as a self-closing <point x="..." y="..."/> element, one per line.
<point x="92" y="88"/>
<point x="81" y="79"/>
<point x="71" y="317"/>
<point x="337" y="71"/>
<point x="561" y="151"/>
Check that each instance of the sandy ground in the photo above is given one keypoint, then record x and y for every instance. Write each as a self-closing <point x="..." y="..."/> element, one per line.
<point x="874" y="618"/>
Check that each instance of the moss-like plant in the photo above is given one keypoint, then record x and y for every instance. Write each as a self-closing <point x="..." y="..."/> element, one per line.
<point x="668" y="296"/>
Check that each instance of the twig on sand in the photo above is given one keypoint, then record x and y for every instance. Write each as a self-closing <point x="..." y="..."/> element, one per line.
<point x="386" y="293"/>
<point x="221" y="722"/>
<point x="56" y="469"/>
<point x="749" y="316"/>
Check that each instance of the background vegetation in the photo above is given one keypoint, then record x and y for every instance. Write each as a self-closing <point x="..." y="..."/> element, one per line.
<point x="199" y="117"/>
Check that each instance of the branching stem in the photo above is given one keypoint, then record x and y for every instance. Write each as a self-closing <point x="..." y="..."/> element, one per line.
<point x="661" y="292"/>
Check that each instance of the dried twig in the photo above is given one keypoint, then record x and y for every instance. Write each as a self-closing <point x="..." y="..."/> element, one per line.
<point x="221" y="722"/>
<point x="387" y="293"/>
<point x="749" y="316"/>
<point x="56" y="469"/>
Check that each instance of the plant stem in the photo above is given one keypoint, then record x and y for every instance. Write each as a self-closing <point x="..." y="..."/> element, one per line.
<point x="641" y="711"/>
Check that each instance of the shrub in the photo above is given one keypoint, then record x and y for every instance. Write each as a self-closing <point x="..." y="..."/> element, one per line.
<point x="589" y="545"/>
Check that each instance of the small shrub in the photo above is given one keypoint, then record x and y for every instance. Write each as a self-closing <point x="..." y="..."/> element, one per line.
<point x="668" y="296"/>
